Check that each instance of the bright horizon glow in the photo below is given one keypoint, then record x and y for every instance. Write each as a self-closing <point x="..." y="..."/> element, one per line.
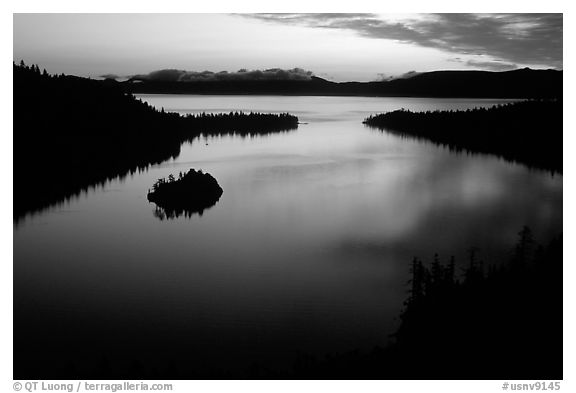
<point x="339" y="47"/>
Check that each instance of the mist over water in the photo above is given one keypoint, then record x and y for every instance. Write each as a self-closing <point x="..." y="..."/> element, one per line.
<point x="307" y="250"/>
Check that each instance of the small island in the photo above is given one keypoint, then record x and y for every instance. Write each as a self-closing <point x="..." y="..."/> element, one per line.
<point x="190" y="193"/>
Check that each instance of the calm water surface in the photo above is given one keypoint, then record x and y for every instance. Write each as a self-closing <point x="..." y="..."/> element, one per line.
<point x="307" y="251"/>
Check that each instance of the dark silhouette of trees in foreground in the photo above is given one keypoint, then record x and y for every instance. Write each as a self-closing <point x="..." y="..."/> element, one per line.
<point x="529" y="132"/>
<point x="483" y="322"/>
<point x="72" y="134"/>
<point x="493" y="322"/>
<point x="190" y="193"/>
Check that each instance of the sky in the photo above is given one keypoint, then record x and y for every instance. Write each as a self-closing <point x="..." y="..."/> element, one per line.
<point x="338" y="47"/>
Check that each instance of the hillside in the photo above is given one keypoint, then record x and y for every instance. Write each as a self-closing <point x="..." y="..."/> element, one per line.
<point x="529" y="132"/>
<point x="524" y="83"/>
<point x="74" y="133"/>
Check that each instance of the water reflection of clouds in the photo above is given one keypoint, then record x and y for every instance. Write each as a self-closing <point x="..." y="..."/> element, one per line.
<point x="453" y="203"/>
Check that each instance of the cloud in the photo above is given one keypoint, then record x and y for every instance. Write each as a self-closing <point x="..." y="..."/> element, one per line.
<point x="511" y="38"/>
<point x="109" y="76"/>
<point x="172" y="75"/>
<point x="492" y="65"/>
<point x="481" y="63"/>
<point x="406" y="75"/>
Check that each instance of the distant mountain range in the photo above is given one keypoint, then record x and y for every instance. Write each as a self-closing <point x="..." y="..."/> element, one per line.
<point x="522" y="83"/>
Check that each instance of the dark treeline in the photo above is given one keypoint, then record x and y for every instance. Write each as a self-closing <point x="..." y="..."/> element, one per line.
<point x="240" y="123"/>
<point x="529" y="132"/>
<point x="73" y="133"/>
<point x="522" y="83"/>
<point x="187" y="194"/>
<point x="486" y="322"/>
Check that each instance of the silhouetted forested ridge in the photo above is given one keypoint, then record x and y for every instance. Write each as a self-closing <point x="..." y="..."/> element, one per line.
<point x="529" y="132"/>
<point x="523" y="83"/>
<point x="81" y="132"/>
<point x="189" y="193"/>
<point x="486" y="322"/>
<point x="491" y="320"/>
<point x="240" y="123"/>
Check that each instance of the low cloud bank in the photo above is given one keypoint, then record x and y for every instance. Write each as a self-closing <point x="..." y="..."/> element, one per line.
<point x="173" y="75"/>
<point x="386" y="78"/>
<point x="109" y="76"/>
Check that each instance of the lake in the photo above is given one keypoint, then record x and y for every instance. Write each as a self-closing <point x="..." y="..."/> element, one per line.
<point x="306" y="252"/>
